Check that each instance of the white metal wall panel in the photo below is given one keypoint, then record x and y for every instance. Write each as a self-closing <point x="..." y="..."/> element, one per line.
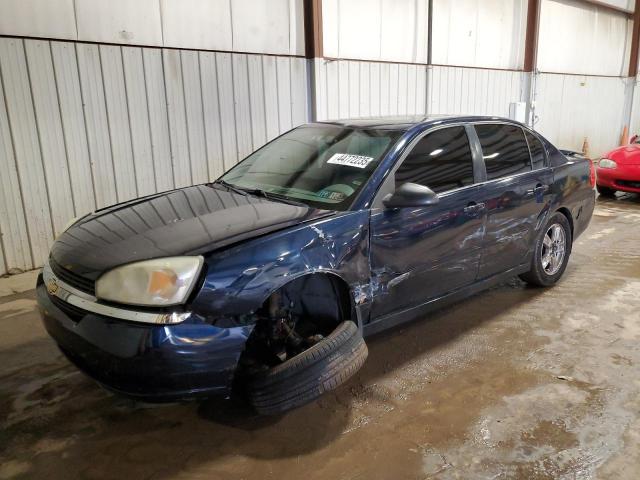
<point x="634" y="126"/>
<point x="177" y="118"/>
<point x="473" y="91"/>
<point x="296" y="27"/>
<point x="479" y="33"/>
<point x="49" y="127"/>
<point x="26" y="145"/>
<point x="283" y="74"/>
<point x="203" y="24"/>
<point x="227" y="109"/>
<point x="565" y="110"/>
<point x="194" y="117"/>
<point x="256" y="99"/>
<point x="118" y="120"/>
<point x="242" y="106"/>
<point x="85" y="126"/>
<point x="390" y="30"/>
<point x="138" y="110"/>
<point x="13" y="229"/>
<point x="67" y="76"/>
<point x="577" y="37"/>
<point x="271" y="105"/>
<point x="299" y="87"/>
<point x="211" y="113"/>
<point x="260" y="26"/>
<point x="97" y="126"/>
<point x="628" y="5"/>
<point x="119" y="21"/>
<point x="266" y="26"/>
<point x="38" y="18"/>
<point x="158" y="118"/>
<point x="351" y="89"/>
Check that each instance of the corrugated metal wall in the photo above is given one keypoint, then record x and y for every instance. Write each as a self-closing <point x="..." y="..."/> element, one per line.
<point x="473" y="91"/>
<point x="83" y="126"/>
<point x="634" y="127"/>
<point x="571" y="108"/>
<point x="351" y="89"/>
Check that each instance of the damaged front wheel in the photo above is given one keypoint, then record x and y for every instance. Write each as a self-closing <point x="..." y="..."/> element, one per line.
<point x="307" y="375"/>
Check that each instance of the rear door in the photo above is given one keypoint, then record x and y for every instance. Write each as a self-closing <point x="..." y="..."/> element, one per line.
<point x="421" y="253"/>
<point x="516" y="195"/>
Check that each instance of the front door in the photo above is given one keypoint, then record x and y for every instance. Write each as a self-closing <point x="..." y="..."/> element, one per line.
<point x="516" y="195"/>
<point x="419" y="254"/>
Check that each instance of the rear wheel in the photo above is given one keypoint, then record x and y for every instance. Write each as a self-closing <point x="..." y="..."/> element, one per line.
<point x="551" y="253"/>
<point x="605" y="191"/>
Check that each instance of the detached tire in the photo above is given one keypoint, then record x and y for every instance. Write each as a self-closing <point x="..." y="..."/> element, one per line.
<point x="551" y="254"/>
<point x="308" y="375"/>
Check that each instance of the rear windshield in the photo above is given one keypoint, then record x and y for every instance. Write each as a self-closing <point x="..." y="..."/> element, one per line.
<point x="321" y="165"/>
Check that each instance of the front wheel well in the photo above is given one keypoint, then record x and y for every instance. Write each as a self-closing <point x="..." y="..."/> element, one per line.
<point x="295" y="317"/>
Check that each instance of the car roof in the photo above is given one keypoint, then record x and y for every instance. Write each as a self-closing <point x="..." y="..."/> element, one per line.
<point x="408" y="122"/>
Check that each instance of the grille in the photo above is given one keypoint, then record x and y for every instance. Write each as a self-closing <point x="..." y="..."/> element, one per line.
<point x="76" y="281"/>
<point x="74" y="313"/>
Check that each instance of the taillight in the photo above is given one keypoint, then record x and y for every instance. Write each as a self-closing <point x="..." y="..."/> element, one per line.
<point x="592" y="173"/>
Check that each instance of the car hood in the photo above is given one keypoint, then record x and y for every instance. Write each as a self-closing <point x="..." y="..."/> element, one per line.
<point x="193" y="220"/>
<point x="627" y="155"/>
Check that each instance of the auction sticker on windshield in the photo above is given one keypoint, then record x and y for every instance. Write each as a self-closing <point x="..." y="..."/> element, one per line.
<point x="350" y="160"/>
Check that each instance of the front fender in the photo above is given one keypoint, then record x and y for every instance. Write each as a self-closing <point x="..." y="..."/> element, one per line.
<point x="241" y="278"/>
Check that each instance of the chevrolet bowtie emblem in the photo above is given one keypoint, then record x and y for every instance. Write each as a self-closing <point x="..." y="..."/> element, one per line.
<point x="52" y="287"/>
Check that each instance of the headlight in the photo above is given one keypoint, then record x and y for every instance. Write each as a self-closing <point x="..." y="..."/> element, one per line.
<point x="606" y="163"/>
<point x="159" y="282"/>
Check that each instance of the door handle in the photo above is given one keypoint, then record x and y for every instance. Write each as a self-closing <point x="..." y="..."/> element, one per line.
<point x="539" y="189"/>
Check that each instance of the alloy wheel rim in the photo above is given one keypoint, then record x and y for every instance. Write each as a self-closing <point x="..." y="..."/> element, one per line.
<point x="553" y="249"/>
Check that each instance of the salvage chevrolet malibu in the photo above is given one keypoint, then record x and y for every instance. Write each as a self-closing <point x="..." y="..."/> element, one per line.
<point x="266" y="281"/>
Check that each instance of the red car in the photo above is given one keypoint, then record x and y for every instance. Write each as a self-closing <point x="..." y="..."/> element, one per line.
<point x="620" y="170"/>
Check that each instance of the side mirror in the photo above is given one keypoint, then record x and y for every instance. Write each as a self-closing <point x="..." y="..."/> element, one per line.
<point x="411" y="195"/>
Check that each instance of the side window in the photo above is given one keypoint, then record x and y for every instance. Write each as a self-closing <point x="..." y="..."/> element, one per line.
<point x="537" y="151"/>
<point x="504" y="150"/>
<point x="441" y="161"/>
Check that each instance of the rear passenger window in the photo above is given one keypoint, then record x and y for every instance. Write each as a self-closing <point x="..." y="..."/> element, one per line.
<point x="504" y="150"/>
<point x="441" y="161"/>
<point x="537" y="151"/>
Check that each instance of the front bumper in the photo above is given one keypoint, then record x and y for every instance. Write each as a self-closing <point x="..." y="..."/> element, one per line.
<point x="145" y="361"/>
<point x="625" y="178"/>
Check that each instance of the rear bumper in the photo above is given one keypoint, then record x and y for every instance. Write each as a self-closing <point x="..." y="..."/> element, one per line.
<point x="143" y="361"/>
<point x="624" y="178"/>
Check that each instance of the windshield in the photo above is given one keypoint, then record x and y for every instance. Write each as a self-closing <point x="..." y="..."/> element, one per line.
<point x="321" y="165"/>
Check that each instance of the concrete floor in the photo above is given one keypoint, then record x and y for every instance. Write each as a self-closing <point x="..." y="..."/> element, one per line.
<point x="513" y="383"/>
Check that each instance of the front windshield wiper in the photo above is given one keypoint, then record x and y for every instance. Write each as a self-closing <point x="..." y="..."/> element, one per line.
<point x="260" y="193"/>
<point x="232" y="187"/>
<point x="274" y="197"/>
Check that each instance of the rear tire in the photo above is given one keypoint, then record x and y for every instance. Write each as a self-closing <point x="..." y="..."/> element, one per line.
<point x="606" y="191"/>
<point x="305" y="377"/>
<point x="551" y="254"/>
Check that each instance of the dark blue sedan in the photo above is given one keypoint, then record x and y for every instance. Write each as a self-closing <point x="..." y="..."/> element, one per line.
<point x="266" y="281"/>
